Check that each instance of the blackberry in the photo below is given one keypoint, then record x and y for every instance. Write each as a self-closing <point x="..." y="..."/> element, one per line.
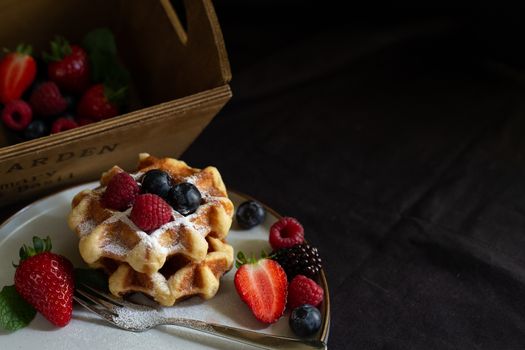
<point x="301" y="259"/>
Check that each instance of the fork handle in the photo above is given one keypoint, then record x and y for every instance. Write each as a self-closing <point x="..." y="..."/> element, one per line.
<point x="259" y="340"/>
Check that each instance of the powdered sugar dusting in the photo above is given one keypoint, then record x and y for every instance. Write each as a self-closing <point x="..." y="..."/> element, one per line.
<point x="116" y="249"/>
<point x="138" y="319"/>
<point x="142" y="318"/>
<point x="86" y="227"/>
<point x="191" y="179"/>
<point x="151" y="242"/>
<point x="178" y="221"/>
<point x="136" y="176"/>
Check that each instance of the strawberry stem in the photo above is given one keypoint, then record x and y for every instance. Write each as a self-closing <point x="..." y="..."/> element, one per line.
<point x="115" y="95"/>
<point x="242" y="259"/>
<point x="39" y="246"/>
<point x="60" y="48"/>
<point x="24" y="49"/>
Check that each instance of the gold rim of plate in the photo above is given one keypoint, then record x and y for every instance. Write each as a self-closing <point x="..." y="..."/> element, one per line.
<point x="325" y="306"/>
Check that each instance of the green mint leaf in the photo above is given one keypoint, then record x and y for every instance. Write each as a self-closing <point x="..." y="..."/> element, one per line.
<point x="100" y="39"/>
<point x="93" y="278"/>
<point x="105" y="65"/>
<point x="15" y="312"/>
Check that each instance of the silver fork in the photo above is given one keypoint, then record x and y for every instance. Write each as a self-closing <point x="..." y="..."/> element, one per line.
<point x="138" y="318"/>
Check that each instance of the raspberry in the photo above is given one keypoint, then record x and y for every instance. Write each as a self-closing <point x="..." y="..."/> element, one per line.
<point x="121" y="192"/>
<point x="150" y="212"/>
<point x="63" y="124"/>
<point x="303" y="290"/>
<point x="46" y="100"/>
<point x="17" y="115"/>
<point x="286" y="233"/>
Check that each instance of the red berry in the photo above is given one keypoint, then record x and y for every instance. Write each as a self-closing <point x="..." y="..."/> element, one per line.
<point x="81" y="121"/>
<point x="17" y="115"/>
<point x="46" y="100"/>
<point x="303" y="290"/>
<point x="150" y="212"/>
<point x="121" y="192"/>
<point x="68" y="66"/>
<point x="63" y="124"/>
<point x="17" y="72"/>
<point x="286" y="233"/>
<point x="95" y="105"/>
<point x="262" y="286"/>
<point x="45" y="280"/>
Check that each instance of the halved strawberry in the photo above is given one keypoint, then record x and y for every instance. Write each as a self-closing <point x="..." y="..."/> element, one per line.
<point x="262" y="285"/>
<point x="17" y="72"/>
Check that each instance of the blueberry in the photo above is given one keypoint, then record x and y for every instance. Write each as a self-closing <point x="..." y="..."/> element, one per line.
<point x="71" y="103"/>
<point x="184" y="198"/>
<point x="157" y="182"/>
<point x="250" y="214"/>
<point x="305" y="320"/>
<point x="36" y="129"/>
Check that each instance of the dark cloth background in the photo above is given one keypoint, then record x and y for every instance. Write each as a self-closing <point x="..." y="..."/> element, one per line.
<point x="398" y="141"/>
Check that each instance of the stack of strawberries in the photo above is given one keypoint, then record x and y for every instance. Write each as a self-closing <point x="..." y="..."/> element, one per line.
<point x="70" y="86"/>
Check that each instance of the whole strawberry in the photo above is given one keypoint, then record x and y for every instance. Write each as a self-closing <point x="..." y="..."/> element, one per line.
<point x="262" y="285"/>
<point x="68" y="66"/>
<point x="17" y="72"/>
<point x="45" y="280"/>
<point x="99" y="102"/>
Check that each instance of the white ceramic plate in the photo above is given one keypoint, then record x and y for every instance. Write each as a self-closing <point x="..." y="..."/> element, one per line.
<point x="87" y="331"/>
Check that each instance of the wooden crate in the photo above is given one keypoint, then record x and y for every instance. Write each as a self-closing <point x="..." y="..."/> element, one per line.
<point x="180" y="79"/>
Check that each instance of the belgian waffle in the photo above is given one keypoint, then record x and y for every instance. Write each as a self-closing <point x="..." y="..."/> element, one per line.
<point x="110" y="240"/>
<point x="179" y="278"/>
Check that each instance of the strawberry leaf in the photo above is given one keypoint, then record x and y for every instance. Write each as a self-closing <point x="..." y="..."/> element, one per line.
<point x="24" y="49"/>
<point x="242" y="259"/>
<point x="117" y="97"/>
<point x="38" y="244"/>
<point x="60" y="48"/>
<point x="48" y="245"/>
<point x="15" y="312"/>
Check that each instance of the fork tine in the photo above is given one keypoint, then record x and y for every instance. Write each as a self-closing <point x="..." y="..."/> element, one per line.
<point x="108" y="297"/>
<point x="98" y="301"/>
<point x="104" y="313"/>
